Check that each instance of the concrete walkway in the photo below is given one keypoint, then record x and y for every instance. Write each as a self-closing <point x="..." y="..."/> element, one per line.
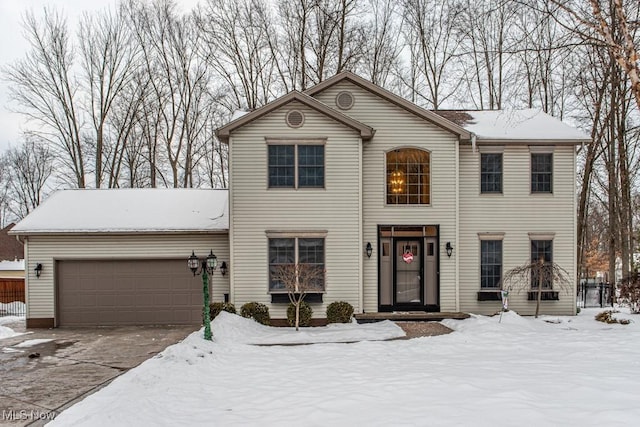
<point x="75" y="363"/>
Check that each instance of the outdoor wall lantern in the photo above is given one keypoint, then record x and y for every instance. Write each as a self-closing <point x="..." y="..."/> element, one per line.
<point x="38" y="270"/>
<point x="369" y="249"/>
<point x="205" y="267"/>
<point x="449" y="249"/>
<point x="223" y="268"/>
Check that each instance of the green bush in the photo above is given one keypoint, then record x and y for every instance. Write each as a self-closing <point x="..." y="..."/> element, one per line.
<point x="256" y="311"/>
<point x="339" y="312"/>
<point x="216" y="307"/>
<point x="305" y="314"/>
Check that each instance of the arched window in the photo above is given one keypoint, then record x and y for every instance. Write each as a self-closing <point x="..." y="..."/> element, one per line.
<point x="408" y="177"/>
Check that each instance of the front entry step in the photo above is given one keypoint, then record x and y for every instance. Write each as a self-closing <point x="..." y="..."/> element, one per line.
<point x="411" y="316"/>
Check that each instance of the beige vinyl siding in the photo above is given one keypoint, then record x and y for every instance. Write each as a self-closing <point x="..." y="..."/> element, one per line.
<point x="47" y="249"/>
<point x="397" y="128"/>
<point x="256" y="209"/>
<point x="516" y="213"/>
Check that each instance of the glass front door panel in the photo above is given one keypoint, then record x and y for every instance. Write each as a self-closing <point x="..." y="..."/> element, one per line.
<point x="408" y="272"/>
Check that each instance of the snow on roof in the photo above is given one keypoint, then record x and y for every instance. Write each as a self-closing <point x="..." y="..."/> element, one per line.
<point x="530" y="124"/>
<point x="129" y="210"/>
<point x="237" y="114"/>
<point x="12" y="265"/>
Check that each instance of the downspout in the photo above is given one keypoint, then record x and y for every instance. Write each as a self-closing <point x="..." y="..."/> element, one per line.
<point x="575" y="234"/>
<point x="473" y="143"/>
<point x="232" y="293"/>
<point x="360" y="232"/>
<point x="457" y="220"/>
<point x="25" y="243"/>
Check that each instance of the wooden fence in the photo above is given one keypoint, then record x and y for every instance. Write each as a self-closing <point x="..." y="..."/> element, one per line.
<point x="12" y="297"/>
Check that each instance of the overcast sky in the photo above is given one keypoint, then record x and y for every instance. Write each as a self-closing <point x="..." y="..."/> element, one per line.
<point x="13" y="46"/>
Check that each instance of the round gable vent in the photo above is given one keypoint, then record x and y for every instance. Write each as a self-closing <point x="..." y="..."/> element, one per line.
<point x="345" y="100"/>
<point x="294" y="118"/>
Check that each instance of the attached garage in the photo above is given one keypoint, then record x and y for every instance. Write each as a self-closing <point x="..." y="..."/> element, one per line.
<point x="119" y="257"/>
<point x="127" y="292"/>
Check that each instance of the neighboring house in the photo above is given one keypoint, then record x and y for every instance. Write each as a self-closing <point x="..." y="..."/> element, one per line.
<point x="404" y="208"/>
<point x="12" y="269"/>
<point x="10" y="248"/>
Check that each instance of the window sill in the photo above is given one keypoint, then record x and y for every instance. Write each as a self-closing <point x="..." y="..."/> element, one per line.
<point x="489" y="295"/>
<point x="283" y="298"/>
<point x="546" y="296"/>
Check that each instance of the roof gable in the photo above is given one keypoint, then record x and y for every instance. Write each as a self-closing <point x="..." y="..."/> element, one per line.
<point x="412" y="108"/>
<point x="223" y="133"/>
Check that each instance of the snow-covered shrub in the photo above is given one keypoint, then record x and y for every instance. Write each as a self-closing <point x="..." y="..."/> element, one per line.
<point x="256" y="311"/>
<point x="305" y="314"/>
<point x="629" y="289"/>
<point x="339" y="312"/>
<point x="216" y="307"/>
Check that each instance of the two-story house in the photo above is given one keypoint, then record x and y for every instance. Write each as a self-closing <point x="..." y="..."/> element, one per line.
<point x="404" y="209"/>
<point x="407" y="209"/>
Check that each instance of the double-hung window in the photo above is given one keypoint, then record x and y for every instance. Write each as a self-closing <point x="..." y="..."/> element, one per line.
<point x="296" y="165"/>
<point x="542" y="172"/>
<point x="541" y="262"/>
<point x="490" y="173"/>
<point x="287" y="252"/>
<point x="490" y="264"/>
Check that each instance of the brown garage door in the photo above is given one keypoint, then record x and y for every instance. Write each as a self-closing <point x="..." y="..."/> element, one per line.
<point x="127" y="292"/>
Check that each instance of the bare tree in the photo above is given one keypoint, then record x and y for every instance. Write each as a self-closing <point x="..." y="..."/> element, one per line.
<point x="236" y="36"/>
<point x="45" y="90"/>
<point x="176" y="98"/>
<point x="484" y="26"/>
<point x="610" y="23"/>
<point x="429" y="30"/>
<point x="538" y="275"/>
<point x="299" y="280"/>
<point x="4" y="189"/>
<point x="29" y="167"/>
<point x="382" y="56"/>
<point x="108" y="62"/>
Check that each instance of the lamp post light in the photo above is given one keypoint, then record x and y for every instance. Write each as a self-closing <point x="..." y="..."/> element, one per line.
<point x="207" y="267"/>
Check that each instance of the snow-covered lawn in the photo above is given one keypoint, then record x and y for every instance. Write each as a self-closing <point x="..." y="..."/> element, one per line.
<point x="552" y="371"/>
